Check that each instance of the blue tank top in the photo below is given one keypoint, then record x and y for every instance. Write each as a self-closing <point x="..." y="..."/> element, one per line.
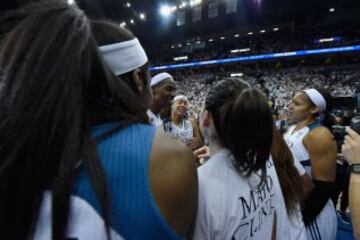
<point x="125" y="158"/>
<point x="133" y="211"/>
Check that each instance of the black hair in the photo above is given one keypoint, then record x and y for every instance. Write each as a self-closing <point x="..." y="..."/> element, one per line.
<point x="243" y="122"/>
<point x="53" y="83"/>
<point x="289" y="177"/>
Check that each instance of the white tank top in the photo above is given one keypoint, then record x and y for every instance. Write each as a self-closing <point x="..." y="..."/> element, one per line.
<point x="294" y="141"/>
<point x="84" y="221"/>
<point x="183" y="133"/>
<point x="231" y="206"/>
<point x="327" y="218"/>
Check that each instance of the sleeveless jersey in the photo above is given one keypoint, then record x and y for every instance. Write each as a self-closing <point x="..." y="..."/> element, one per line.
<point x="325" y="225"/>
<point x="133" y="210"/>
<point x="183" y="133"/>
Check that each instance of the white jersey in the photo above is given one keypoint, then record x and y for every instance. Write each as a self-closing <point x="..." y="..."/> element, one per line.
<point x="325" y="225"/>
<point x="84" y="221"/>
<point x="183" y="133"/>
<point x="297" y="226"/>
<point x="295" y="143"/>
<point x="155" y="120"/>
<point x="232" y="206"/>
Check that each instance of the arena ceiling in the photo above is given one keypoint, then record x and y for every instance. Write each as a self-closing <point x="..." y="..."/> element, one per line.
<point x="144" y="19"/>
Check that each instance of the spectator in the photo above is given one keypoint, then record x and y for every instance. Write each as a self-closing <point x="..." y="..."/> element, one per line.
<point x="351" y="151"/>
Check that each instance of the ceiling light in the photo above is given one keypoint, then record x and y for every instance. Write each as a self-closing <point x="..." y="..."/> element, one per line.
<point x="165" y="10"/>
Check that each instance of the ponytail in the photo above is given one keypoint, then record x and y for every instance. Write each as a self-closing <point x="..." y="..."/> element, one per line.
<point x="289" y="177"/>
<point x="243" y="121"/>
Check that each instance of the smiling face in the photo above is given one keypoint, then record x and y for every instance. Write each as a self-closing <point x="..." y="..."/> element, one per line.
<point x="164" y="93"/>
<point x="180" y="107"/>
<point x="301" y="108"/>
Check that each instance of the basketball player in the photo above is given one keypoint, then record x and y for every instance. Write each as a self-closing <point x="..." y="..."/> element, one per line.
<point x="239" y="192"/>
<point x="163" y="88"/>
<point x="79" y="158"/>
<point x="313" y="145"/>
<point x="181" y="127"/>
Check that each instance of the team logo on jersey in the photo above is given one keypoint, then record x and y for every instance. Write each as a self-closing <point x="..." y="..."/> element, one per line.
<point x="289" y="143"/>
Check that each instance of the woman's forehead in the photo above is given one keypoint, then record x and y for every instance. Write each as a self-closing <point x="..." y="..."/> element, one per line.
<point x="299" y="95"/>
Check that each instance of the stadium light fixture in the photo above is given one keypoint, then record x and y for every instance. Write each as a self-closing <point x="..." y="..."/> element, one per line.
<point x="211" y="40"/>
<point x="142" y="16"/>
<point x="132" y="21"/>
<point x="332" y="10"/>
<point x="180" y="45"/>
<point x="263" y="31"/>
<point x="198" y="42"/>
<point x="276" y="29"/>
<point x="236" y="75"/>
<point x="237" y="35"/>
<point x="181" y="58"/>
<point x="250" y="33"/>
<point x="128" y="4"/>
<point x="172" y="46"/>
<point x="222" y="38"/>
<point x="188" y="43"/>
<point x="70" y="2"/>
<point x="240" y="50"/>
<point x="165" y="10"/>
<point x="123" y="24"/>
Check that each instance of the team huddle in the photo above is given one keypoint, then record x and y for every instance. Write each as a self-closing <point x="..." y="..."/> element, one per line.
<point x="93" y="147"/>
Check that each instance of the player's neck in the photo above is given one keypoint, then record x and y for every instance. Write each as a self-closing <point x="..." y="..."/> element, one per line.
<point x="155" y="109"/>
<point x="177" y="120"/>
<point x="304" y="123"/>
<point x="215" y="146"/>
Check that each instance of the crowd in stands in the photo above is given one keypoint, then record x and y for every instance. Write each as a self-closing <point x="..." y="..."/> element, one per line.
<point x="280" y="84"/>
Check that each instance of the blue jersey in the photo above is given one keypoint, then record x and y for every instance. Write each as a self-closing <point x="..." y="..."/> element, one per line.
<point x="133" y="213"/>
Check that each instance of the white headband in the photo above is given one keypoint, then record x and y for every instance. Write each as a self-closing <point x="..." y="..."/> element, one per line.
<point x="317" y="99"/>
<point x="159" y="78"/>
<point x="125" y="56"/>
<point x="178" y="97"/>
